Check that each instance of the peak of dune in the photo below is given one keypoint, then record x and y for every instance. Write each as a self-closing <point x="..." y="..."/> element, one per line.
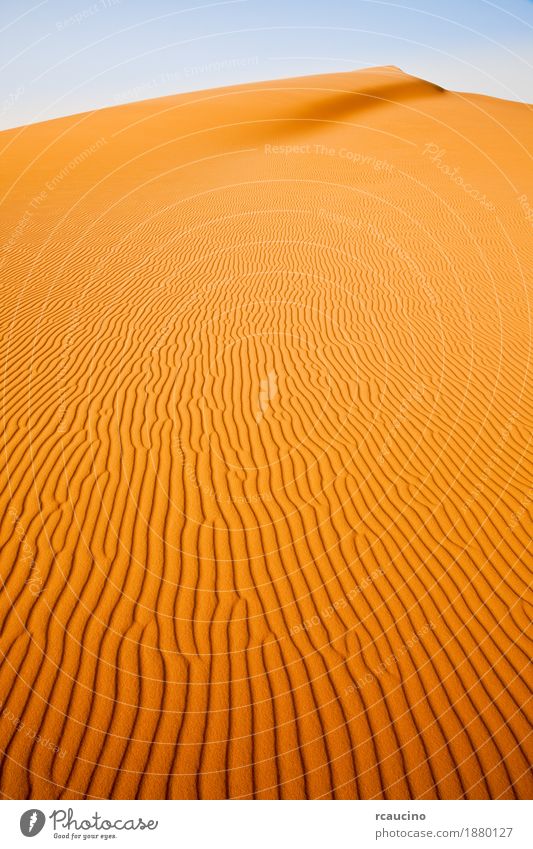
<point x="386" y="83"/>
<point x="376" y="81"/>
<point x="389" y="75"/>
<point x="378" y="68"/>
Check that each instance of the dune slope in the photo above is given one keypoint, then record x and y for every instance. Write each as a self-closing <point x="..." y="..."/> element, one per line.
<point x="266" y="466"/>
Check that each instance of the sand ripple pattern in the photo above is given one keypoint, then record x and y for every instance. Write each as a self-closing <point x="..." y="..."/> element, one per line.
<point x="266" y="462"/>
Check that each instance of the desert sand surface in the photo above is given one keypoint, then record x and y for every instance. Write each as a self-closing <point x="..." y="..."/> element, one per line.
<point x="266" y="472"/>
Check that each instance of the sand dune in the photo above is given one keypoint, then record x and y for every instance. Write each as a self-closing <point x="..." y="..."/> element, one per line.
<point x="267" y="410"/>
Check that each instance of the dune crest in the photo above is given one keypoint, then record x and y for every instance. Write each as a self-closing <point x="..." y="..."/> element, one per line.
<point x="267" y="410"/>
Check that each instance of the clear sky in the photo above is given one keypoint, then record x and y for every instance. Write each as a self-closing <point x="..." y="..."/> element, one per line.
<point x="65" y="56"/>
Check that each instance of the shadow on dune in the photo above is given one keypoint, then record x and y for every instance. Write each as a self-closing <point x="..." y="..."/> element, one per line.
<point x="348" y="105"/>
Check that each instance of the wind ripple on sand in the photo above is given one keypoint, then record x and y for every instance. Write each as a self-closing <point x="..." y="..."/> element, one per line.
<point x="267" y="422"/>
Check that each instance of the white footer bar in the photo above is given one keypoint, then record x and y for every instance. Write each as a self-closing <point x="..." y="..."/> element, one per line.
<point x="268" y="825"/>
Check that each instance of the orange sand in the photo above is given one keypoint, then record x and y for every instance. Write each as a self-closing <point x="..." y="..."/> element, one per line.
<point x="267" y="403"/>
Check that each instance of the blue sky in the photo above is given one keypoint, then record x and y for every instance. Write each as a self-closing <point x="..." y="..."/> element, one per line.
<point x="65" y="56"/>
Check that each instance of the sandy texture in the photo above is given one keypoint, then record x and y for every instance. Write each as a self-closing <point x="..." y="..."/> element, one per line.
<point x="267" y="406"/>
